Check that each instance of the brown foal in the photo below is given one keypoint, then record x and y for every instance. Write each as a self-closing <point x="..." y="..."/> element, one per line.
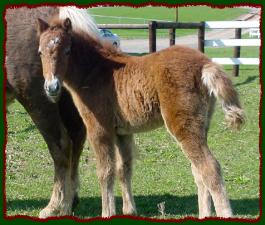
<point x="118" y="95"/>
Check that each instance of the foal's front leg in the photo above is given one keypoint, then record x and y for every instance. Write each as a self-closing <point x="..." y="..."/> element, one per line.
<point x="124" y="156"/>
<point x="103" y="145"/>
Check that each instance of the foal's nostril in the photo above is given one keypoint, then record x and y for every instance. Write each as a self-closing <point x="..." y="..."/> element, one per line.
<point x="52" y="87"/>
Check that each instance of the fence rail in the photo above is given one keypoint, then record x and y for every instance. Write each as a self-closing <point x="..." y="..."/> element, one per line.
<point x="123" y="26"/>
<point x="236" y="61"/>
<point x="232" y="42"/>
<point x="231" y="24"/>
<point x="237" y="42"/>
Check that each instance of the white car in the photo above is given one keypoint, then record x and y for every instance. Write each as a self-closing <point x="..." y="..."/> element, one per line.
<point x="109" y="36"/>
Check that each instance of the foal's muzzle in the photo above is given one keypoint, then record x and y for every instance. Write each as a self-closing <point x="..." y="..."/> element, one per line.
<point x="53" y="89"/>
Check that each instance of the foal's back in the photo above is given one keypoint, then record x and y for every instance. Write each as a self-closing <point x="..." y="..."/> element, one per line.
<point x="140" y="86"/>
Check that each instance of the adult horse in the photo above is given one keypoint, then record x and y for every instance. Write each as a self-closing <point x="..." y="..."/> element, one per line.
<point x="59" y="124"/>
<point x="118" y="95"/>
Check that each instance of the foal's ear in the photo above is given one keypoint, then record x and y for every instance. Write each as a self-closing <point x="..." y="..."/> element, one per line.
<point x="41" y="26"/>
<point x="67" y="24"/>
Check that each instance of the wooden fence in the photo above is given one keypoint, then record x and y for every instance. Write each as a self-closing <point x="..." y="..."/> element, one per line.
<point x="237" y="42"/>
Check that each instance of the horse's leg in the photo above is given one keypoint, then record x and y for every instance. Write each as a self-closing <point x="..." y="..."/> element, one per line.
<point x="47" y="118"/>
<point x="9" y="95"/>
<point x="61" y="201"/>
<point x="103" y="144"/>
<point x="124" y="156"/>
<point x="189" y="130"/>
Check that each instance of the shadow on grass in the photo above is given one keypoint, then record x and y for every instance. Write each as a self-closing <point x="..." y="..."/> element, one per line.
<point x="29" y="128"/>
<point x="146" y="206"/>
<point x="247" y="81"/>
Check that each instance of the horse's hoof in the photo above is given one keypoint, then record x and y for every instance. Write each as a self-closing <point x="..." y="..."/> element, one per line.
<point x="75" y="202"/>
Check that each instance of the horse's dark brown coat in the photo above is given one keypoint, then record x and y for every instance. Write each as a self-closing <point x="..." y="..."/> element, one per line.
<point x="59" y="124"/>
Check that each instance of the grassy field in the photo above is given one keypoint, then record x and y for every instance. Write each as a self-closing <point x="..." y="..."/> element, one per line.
<point x="161" y="172"/>
<point x="145" y="14"/>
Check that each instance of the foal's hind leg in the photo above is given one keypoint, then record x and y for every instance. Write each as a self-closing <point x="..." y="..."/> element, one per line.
<point x="189" y="130"/>
<point x="124" y="156"/>
<point x="204" y="197"/>
<point x="208" y="172"/>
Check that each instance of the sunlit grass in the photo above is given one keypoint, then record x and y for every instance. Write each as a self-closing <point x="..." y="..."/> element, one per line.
<point x="161" y="172"/>
<point x="129" y="15"/>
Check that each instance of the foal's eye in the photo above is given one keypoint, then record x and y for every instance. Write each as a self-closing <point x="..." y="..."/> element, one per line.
<point x="39" y="53"/>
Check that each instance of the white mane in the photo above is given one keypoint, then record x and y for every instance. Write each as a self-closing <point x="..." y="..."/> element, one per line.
<point x="80" y="20"/>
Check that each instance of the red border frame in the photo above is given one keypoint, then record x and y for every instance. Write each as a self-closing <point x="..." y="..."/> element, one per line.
<point x="122" y="216"/>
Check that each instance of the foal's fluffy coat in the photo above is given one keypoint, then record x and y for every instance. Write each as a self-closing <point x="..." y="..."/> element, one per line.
<point x="118" y="95"/>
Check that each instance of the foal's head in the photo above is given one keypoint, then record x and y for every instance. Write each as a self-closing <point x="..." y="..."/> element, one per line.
<point x="54" y="50"/>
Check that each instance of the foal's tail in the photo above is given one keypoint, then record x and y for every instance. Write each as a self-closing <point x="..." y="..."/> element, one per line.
<point x="217" y="82"/>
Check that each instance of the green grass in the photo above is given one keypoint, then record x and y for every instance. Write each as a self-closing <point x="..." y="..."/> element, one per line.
<point x="185" y="14"/>
<point x="161" y="172"/>
<point x="245" y="52"/>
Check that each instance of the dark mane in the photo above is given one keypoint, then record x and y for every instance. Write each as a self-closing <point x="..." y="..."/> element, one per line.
<point x="100" y="45"/>
<point x="92" y="50"/>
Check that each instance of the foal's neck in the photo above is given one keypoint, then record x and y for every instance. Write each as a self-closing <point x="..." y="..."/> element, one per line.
<point x="90" y="61"/>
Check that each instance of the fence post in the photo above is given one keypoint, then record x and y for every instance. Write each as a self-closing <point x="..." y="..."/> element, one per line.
<point x="172" y="36"/>
<point x="152" y="36"/>
<point x="237" y="52"/>
<point x="201" y="37"/>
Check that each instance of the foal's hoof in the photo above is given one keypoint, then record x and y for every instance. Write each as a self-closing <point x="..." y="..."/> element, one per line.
<point x="108" y="214"/>
<point x="48" y="212"/>
<point x="51" y="212"/>
<point x="129" y="212"/>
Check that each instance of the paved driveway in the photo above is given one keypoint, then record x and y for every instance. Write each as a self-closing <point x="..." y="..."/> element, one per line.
<point x="142" y="45"/>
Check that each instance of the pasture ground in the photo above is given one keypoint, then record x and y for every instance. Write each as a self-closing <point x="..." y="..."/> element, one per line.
<point x="161" y="172"/>
<point x="145" y="14"/>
